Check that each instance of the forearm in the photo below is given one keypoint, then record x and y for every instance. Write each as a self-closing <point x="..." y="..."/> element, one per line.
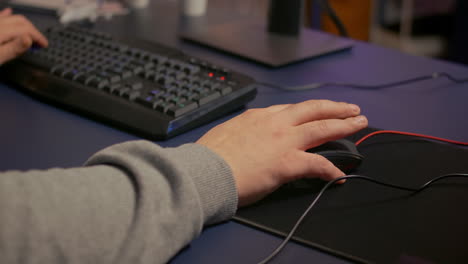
<point x="133" y="203"/>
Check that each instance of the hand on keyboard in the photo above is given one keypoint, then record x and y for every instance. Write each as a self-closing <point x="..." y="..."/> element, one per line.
<point x="144" y="87"/>
<point x="17" y="35"/>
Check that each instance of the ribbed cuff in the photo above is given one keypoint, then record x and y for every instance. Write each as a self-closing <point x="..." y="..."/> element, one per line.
<point x="213" y="179"/>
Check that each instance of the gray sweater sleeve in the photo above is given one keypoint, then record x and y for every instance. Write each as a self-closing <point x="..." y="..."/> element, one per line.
<point x="132" y="203"/>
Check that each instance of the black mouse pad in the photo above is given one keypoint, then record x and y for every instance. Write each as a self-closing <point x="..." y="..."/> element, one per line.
<point x="369" y="223"/>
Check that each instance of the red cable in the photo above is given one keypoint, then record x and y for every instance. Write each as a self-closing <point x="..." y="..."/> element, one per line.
<point x="409" y="134"/>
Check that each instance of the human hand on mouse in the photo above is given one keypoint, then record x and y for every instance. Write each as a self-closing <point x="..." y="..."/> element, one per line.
<point x="266" y="147"/>
<point x="17" y="34"/>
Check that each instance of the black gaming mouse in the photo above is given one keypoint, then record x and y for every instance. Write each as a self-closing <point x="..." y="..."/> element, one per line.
<point x="342" y="153"/>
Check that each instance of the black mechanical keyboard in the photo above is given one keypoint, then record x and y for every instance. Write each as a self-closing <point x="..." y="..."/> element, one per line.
<point x="149" y="89"/>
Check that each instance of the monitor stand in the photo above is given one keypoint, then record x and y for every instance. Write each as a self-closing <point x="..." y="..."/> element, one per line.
<point x="255" y="43"/>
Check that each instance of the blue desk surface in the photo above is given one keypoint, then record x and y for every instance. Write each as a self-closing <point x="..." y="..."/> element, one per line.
<point x="37" y="135"/>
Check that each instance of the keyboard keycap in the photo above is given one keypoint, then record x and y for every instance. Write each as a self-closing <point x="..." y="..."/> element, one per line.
<point x="146" y="100"/>
<point x="226" y="90"/>
<point x="181" y="109"/>
<point x="112" y="87"/>
<point x="135" y="86"/>
<point x="169" y="82"/>
<point x="98" y="82"/>
<point x="163" y="106"/>
<point x="209" y="97"/>
<point x="131" y="95"/>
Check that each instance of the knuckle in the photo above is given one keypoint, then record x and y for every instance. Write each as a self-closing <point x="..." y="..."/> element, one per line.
<point x="25" y="43"/>
<point x="323" y="127"/>
<point x="324" y="102"/>
<point x="251" y="111"/>
<point x="20" y="18"/>
<point x="20" y="45"/>
<point x="257" y="113"/>
<point x="250" y="114"/>
<point x="274" y="108"/>
<point x="278" y="134"/>
<point x="318" y="104"/>
<point x="23" y="23"/>
<point x="344" y="106"/>
<point x="285" y="159"/>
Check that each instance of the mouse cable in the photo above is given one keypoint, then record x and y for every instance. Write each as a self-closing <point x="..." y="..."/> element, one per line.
<point x="409" y="134"/>
<point x="435" y="75"/>
<point x="352" y="177"/>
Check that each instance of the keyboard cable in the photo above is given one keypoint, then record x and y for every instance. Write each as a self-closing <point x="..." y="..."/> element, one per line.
<point x="312" y="86"/>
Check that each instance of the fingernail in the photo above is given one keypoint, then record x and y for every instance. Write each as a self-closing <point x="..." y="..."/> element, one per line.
<point x="360" y="120"/>
<point x="341" y="181"/>
<point x="354" y="108"/>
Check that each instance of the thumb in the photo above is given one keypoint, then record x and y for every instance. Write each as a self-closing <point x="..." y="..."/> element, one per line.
<point x="14" y="48"/>
<point x="317" y="166"/>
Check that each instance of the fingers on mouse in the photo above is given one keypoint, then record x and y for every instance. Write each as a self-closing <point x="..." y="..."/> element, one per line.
<point x="342" y="153"/>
